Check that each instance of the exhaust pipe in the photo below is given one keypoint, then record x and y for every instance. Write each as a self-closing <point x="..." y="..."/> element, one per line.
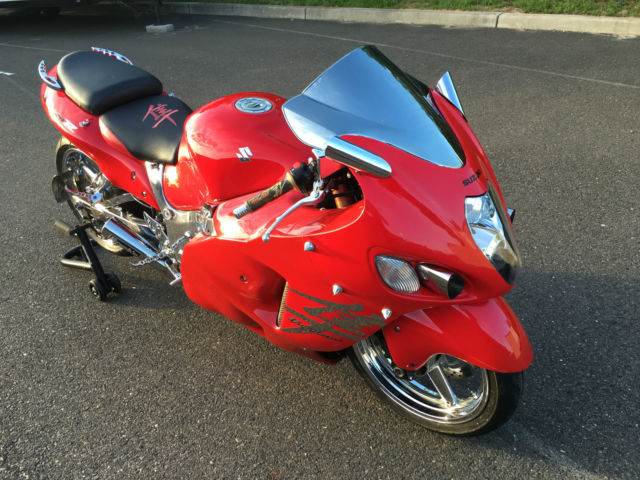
<point x="129" y="239"/>
<point x="138" y="245"/>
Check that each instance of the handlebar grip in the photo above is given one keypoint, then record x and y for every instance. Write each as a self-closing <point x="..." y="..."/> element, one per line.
<point x="264" y="197"/>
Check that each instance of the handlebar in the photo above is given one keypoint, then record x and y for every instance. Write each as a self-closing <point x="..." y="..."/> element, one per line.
<point x="300" y="178"/>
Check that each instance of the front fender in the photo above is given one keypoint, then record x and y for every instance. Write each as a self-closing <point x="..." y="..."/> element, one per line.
<point x="486" y="334"/>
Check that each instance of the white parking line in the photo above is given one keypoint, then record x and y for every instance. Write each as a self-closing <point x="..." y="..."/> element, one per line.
<point x="436" y="54"/>
<point x="33" y="48"/>
<point x="8" y="74"/>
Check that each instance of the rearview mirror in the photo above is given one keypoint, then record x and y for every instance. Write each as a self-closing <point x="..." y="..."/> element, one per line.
<point x="357" y="157"/>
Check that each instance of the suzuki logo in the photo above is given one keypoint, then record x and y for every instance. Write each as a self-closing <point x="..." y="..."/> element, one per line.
<point x="245" y="154"/>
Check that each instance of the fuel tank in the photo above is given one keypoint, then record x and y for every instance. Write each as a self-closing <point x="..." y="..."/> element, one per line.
<point x="232" y="146"/>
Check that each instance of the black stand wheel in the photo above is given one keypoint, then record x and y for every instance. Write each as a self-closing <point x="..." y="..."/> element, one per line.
<point x="98" y="289"/>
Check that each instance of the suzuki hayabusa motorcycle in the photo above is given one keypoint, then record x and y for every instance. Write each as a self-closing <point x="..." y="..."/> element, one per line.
<point x="360" y="218"/>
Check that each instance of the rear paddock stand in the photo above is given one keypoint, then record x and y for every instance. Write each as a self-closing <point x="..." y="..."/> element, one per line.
<point x="84" y="257"/>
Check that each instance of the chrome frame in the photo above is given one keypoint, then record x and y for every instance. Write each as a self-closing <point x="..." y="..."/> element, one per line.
<point x="178" y="222"/>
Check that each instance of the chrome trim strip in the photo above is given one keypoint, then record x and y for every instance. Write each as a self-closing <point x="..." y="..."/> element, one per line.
<point x="111" y="53"/>
<point x="357" y="157"/>
<point x="48" y="79"/>
<point x="448" y="90"/>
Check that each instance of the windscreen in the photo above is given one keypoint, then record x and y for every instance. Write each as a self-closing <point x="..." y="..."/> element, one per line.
<point x="365" y="94"/>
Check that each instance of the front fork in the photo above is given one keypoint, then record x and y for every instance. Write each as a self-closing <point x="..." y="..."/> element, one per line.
<point x="486" y="334"/>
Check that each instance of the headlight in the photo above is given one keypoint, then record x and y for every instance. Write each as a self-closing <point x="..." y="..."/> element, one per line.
<point x="487" y="219"/>
<point x="397" y="274"/>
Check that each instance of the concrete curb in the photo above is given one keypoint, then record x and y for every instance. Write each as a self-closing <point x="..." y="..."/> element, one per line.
<point x="620" y="26"/>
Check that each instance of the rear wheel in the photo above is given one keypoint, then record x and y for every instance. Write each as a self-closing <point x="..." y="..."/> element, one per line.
<point x="82" y="175"/>
<point x="447" y="395"/>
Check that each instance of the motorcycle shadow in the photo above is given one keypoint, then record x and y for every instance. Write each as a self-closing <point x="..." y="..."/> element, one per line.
<point x="147" y="287"/>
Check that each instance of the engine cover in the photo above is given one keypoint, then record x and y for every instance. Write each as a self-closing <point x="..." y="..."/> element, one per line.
<point x="232" y="146"/>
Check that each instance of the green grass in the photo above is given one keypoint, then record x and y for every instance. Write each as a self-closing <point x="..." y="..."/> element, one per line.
<point x="581" y="7"/>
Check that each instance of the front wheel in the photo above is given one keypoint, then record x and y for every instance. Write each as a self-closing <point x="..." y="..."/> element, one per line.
<point x="447" y="395"/>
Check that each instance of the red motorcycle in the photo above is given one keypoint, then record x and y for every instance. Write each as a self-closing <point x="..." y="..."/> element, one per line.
<point x="360" y="218"/>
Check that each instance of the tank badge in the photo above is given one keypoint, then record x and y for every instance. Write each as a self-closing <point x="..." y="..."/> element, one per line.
<point x="253" y="105"/>
<point x="245" y="154"/>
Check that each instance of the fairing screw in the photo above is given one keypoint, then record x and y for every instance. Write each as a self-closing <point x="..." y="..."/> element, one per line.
<point x="309" y="247"/>
<point x="144" y="194"/>
<point x="167" y="214"/>
<point x="337" y="289"/>
<point x="397" y="328"/>
<point x="84" y="123"/>
<point x="386" y="313"/>
<point x="133" y="175"/>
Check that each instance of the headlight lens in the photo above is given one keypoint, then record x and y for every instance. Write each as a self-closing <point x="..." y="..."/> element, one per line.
<point x="487" y="221"/>
<point x="397" y="274"/>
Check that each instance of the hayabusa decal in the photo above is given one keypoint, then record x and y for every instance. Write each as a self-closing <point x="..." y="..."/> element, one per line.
<point x="345" y="323"/>
<point x="160" y="113"/>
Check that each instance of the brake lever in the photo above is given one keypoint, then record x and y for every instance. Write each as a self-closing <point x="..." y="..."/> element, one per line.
<point x="316" y="195"/>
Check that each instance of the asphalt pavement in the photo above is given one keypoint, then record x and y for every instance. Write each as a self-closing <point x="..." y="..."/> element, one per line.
<point x="148" y="385"/>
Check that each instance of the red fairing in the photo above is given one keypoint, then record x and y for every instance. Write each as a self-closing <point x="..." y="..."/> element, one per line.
<point x="119" y="167"/>
<point x="416" y="214"/>
<point x="486" y="334"/>
<point x="230" y="153"/>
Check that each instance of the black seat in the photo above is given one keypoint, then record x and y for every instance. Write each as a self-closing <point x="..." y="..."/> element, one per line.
<point x="149" y="128"/>
<point x="98" y="82"/>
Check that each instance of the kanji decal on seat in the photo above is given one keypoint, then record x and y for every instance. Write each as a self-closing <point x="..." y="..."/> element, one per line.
<point x="160" y="112"/>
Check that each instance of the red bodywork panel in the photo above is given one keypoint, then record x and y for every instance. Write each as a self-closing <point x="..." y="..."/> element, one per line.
<point x="486" y="334"/>
<point x="209" y="169"/>
<point x="416" y="214"/>
<point x="119" y="166"/>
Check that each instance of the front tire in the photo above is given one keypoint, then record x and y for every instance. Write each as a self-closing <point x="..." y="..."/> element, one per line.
<point x="447" y="395"/>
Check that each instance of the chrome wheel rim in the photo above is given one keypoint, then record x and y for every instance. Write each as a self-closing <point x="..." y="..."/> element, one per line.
<point x="85" y="175"/>
<point x="445" y="391"/>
